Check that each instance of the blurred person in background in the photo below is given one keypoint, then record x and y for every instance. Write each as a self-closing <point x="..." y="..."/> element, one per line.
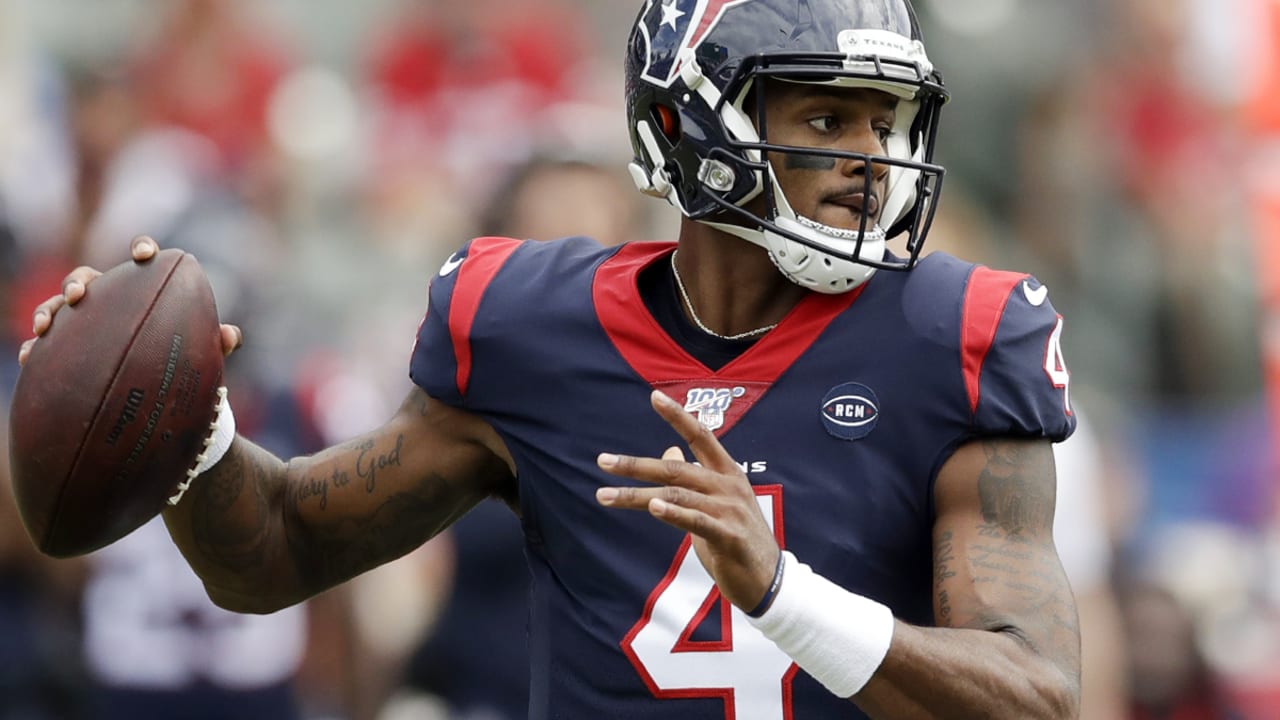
<point x="1169" y="677"/>
<point x="36" y="169"/>
<point x="946" y="514"/>
<point x="448" y="77"/>
<point x="211" y="66"/>
<point x="155" y="647"/>
<point x="117" y="171"/>
<point x="1117" y="153"/>
<point x="529" y="202"/>
<point x="443" y="80"/>
<point x="126" y="171"/>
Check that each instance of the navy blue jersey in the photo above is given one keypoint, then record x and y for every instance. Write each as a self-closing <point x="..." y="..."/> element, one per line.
<point x="841" y="417"/>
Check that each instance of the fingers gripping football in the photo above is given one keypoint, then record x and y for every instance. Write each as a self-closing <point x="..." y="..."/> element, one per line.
<point x="76" y="284"/>
<point x="73" y="286"/>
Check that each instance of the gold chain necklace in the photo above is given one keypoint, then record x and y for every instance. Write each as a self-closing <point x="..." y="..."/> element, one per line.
<point x="698" y="321"/>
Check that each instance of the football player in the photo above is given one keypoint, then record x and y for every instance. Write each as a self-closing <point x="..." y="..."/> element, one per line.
<point x="780" y="468"/>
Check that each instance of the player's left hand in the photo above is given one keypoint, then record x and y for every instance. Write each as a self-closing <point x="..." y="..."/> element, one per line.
<point x="712" y="501"/>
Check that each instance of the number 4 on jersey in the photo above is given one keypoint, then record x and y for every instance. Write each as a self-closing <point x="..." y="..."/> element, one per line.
<point x="1055" y="365"/>
<point x="742" y="667"/>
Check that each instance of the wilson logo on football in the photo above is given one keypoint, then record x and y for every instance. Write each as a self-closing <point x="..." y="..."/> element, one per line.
<point x="850" y="411"/>
<point x="711" y="404"/>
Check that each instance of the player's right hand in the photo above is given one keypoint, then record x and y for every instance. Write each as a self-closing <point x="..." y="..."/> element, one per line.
<point x="75" y="284"/>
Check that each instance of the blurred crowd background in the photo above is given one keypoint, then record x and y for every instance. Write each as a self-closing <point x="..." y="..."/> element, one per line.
<point x="322" y="158"/>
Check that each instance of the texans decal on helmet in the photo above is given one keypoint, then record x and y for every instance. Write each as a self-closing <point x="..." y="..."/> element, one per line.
<point x="688" y="21"/>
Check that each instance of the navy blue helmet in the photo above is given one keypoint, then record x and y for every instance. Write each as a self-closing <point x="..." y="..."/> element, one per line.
<point x="696" y="117"/>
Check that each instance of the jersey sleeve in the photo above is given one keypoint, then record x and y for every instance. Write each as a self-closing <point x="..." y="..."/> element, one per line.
<point x="1015" y="375"/>
<point x="441" y="363"/>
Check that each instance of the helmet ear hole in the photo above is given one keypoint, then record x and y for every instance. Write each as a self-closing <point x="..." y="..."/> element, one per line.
<point x="667" y="121"/>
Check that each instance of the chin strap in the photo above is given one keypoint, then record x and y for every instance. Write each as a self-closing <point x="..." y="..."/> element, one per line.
<point x="804" y="264"/>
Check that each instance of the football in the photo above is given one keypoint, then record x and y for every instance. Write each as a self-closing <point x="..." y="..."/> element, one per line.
<point x="114" y="404"/>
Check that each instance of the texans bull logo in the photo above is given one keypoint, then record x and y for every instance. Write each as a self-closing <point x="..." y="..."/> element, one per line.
<point x="672" y="27"/>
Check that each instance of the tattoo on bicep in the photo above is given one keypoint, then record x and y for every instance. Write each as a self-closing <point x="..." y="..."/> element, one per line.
<point x="1021" y="590"/>
<point x="423" y="402"/>
<point x="1004" y="574"/>
<point x="1044" y="615"/>
<point x="1016" y="498"/>
<point x="370" y="461"/>
<point x="318" y="486"/>
<point x="1046" y="599"/>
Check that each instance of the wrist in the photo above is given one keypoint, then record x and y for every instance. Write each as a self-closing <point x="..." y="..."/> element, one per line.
<point x="770" y="593"/>
<point x="838" y="637"/>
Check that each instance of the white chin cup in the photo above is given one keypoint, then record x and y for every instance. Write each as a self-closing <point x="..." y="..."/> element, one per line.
<point x="819" y="271"/>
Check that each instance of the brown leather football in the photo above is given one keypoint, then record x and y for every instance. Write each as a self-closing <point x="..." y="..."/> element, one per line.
<point x="114" y="404"/>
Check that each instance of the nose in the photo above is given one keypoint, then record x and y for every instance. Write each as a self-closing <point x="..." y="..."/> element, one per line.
<point x="865" y="142"/>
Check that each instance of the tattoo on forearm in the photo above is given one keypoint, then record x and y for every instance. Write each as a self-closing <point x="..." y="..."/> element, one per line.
<point x="237" y="546"/>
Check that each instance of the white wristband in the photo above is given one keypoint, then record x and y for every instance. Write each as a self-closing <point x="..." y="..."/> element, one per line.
<point x="838" y="637"/>
<point x="221" y="432"/>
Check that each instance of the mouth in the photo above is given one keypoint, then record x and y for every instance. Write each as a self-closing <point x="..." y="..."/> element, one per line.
<point x="858" y="202"/>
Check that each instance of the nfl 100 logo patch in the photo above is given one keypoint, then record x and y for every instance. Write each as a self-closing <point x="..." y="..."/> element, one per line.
<point x="710" y="404"/>
<point x="850" y="411"/>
